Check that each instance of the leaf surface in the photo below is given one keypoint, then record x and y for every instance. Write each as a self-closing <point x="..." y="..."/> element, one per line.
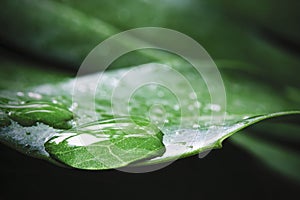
<point x="99" y="139"/>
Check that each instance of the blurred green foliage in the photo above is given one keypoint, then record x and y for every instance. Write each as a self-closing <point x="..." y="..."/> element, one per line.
<point x="65" y="31"/>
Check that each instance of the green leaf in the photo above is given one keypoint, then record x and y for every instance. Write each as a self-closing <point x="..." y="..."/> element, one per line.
<point x="249" y="100"/>
<point x="186" y="143"/>
<point x="18" y="74"/>
<point x="264" y="19"/>
<point x="81" y="25"/>
<point x="107" y="144"/>
<point x="52" y="31"/>
<point x="278" y="158"/>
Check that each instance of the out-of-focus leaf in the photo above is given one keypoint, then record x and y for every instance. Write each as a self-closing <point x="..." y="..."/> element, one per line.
<point x="275" y="130"/>
<point x="278" y="158"/>
<point x="280" y="18"/>
<point x="18" y="74"/>
<point x="68" y="30"/>
<point x="52" y="31"/>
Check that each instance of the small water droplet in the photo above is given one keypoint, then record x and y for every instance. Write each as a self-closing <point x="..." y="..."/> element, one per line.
<point x="114" y="82"/>
<point x="28" y="114"/>
<point x="196" y="126"/>
<point x="28" y="133"/>
<point x="214" y="107"/>
<point x="34" y="95"/>
<point x="197" y="104"/>
<point x="54" y="101"/>
<point x="193" y="95"/>
<point x="73" y="106"/>
<point x="176" y="107"/>
<point x="20" y="94"/>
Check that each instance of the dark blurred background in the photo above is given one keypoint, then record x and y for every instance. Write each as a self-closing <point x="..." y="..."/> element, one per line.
<point x="226" y="173"/>
<point x="56" y="35"/>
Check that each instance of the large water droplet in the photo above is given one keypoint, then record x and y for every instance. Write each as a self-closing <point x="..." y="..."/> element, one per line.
<point x="29" y="113"/>
<point x="106" y="130"/>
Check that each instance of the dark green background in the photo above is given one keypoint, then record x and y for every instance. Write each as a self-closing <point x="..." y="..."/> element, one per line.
<point x="227" y="173"/>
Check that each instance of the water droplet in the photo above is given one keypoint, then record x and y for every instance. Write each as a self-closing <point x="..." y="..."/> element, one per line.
<point x="114" y="82"/>
<point x="73" y="106"/>
<point x="54" y="101"/>
<point x="100" y="131"/>
<point x="197" y="104"/>
<point x="28" y="133"/>
<point x="34" y="95"/>
<point x="214" y="107"/>
<point x="176" y="107"/>
<point x="20" y="94"/>
<point x="196" y="126"/>
<point x="193" y="95"/>
<point x="28" y="114"/>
